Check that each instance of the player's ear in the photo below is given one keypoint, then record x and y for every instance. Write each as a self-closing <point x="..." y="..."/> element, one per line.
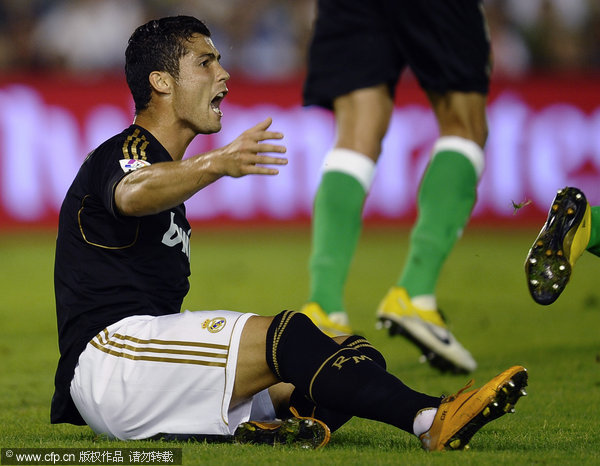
<point x="161" y="81"/>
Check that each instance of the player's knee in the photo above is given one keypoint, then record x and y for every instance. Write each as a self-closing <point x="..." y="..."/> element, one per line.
<point x="290" y="332"/>
<point x="296" y="348"/>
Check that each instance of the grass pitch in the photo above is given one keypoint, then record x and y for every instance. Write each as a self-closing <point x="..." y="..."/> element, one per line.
<point x="482" y="291"/>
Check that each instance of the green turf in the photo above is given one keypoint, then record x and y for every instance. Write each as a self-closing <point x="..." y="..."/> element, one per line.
<point x="483" y="293"/>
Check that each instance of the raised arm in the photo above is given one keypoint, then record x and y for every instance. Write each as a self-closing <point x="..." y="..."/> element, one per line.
<point x="164" y="185"/>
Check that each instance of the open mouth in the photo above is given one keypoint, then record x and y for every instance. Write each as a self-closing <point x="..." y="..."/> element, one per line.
<point x="215" y="104"/>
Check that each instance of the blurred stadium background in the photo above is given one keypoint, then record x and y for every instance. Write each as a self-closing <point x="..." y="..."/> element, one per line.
<point x="62" y="92"/>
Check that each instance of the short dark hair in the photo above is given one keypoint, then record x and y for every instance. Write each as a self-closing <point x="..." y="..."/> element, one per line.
<point x="157" y="46"/>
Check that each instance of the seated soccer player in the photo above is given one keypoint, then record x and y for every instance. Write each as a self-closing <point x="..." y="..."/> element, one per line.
<point x="132" y="365"/>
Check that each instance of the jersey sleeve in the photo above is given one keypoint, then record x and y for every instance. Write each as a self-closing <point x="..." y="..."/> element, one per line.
<point x="111" y="169"/>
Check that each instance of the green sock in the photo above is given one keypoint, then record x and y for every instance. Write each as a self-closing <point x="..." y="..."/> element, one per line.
<point x="446" y="198"/>
<point x="594" y="244"/>
<point x="336" y="226"/>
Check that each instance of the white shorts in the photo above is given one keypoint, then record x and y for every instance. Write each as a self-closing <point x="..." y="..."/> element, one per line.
<point x="171" y="374"/>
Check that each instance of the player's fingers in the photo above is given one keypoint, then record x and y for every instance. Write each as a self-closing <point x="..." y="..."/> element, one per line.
<point x="264" y="148"/>
<point x="260" y="170"/>
<point x="269" y="135"/>
<point x="263" y="125"/>
<point x="268" y="160"/>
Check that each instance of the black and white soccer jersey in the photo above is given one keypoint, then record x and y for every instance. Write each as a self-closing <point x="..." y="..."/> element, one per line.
<point x="109" y="266"/>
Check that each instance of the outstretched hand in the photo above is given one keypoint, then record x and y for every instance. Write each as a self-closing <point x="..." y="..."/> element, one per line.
<point x="243" y="156"/>
<point x="164" y="185"/>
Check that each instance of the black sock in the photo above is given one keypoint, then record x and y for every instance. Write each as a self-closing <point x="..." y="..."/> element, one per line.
<point x="339" y="378"/>
<point x="362" y="345"/>
<point x="334" y="420"/>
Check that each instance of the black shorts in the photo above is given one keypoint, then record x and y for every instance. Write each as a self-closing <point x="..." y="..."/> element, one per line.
<point x="363" y="43"/>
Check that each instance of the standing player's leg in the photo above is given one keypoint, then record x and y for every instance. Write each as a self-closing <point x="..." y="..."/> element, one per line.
<point x="452" y="63"/>
<point x="446" y="197"/>
<point x="362" y="119"/>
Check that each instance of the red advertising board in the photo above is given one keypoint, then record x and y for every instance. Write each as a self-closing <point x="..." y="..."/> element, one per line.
<point x="544" y="134"/>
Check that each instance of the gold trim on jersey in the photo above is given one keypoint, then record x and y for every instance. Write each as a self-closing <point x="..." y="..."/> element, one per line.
<point x="131" y="151"/>
<point x="107" y="344"/>
<point x="137" y="230"/>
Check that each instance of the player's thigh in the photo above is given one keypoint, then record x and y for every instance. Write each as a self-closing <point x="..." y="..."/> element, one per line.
<point x="252" y="372"/>
<point x="362" y="118"/>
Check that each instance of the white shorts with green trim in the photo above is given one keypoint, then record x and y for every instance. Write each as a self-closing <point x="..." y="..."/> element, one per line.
<point x="174" y="374"/>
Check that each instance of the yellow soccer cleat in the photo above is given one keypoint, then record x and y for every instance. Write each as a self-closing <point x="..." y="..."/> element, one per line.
<point x="562" y="240"/>
<point x="330" y="327"/>
<point x="461" y="415"/>
<point x="426" y="329"/>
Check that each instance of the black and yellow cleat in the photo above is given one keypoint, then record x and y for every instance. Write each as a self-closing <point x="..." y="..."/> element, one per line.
<point x="299" y="431"/>
<point x="561" y="241"/>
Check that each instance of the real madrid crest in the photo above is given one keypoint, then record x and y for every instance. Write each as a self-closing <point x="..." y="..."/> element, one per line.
<point x="214" y="325"/>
